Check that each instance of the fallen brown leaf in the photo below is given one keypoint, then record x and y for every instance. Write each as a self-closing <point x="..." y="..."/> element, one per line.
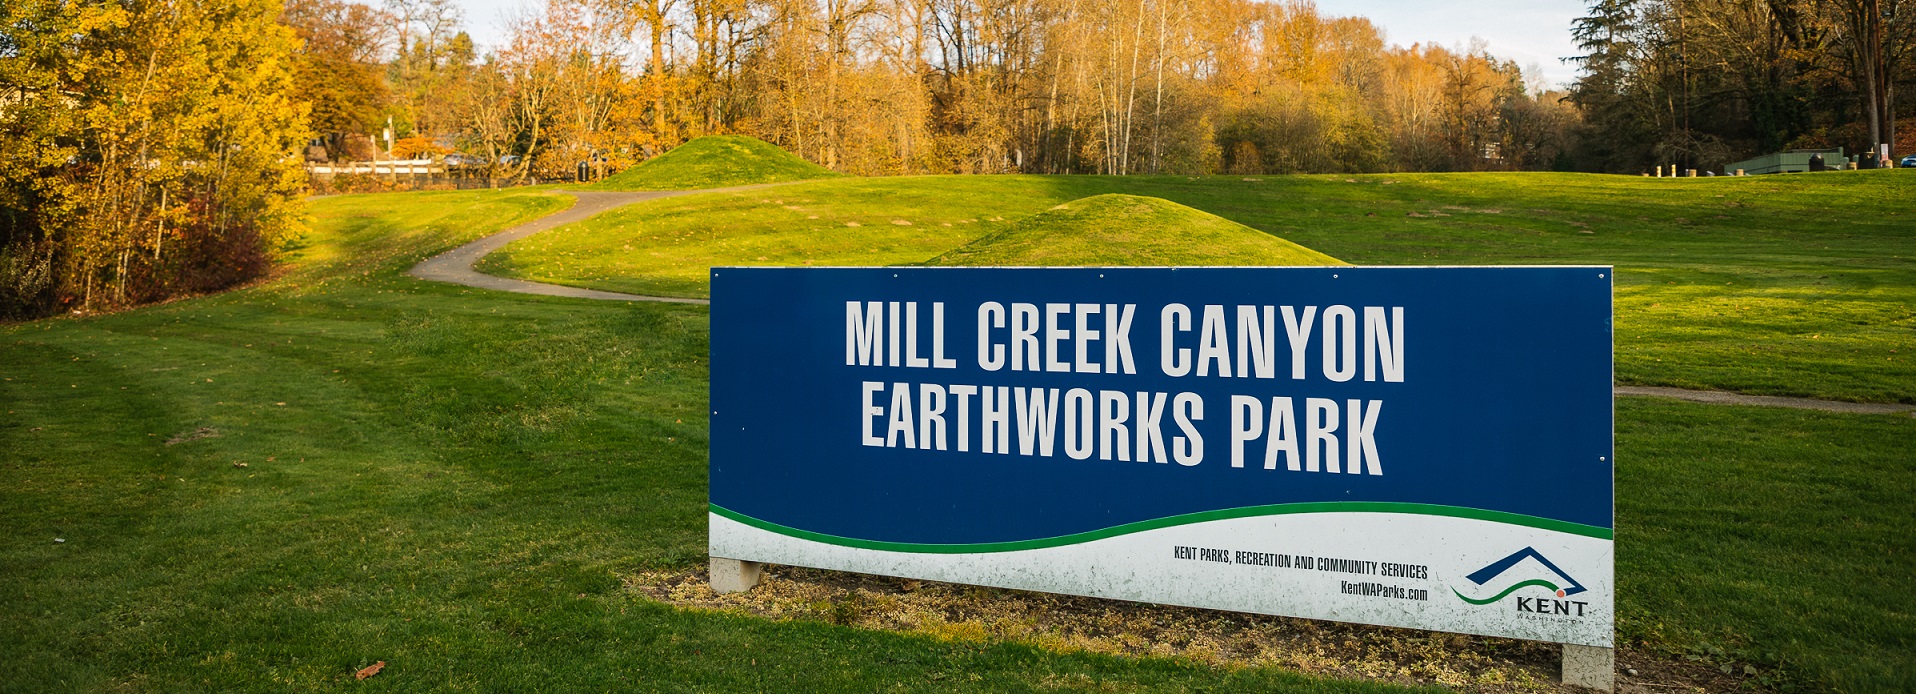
<point x="370" y="670"/>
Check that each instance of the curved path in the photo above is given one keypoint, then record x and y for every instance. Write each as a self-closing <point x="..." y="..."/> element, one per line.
<point x="455" y="266"/>
<point x="1720" y="397"/>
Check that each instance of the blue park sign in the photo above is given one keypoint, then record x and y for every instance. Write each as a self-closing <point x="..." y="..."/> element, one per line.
<point x="1426" y="447"/>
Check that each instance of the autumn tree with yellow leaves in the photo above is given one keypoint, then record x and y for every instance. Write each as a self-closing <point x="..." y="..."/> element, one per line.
<point x="147" y="149"/>
<point x="993" y="86"/>
<point x="153" y="147"/>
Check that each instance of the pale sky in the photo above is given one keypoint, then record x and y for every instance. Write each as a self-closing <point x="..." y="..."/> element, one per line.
<point x="1530" y="32"/>
<point x="1525" y="31"/>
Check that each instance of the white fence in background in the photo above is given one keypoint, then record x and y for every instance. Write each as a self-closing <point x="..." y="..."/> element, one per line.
<point x="410" y="167"/>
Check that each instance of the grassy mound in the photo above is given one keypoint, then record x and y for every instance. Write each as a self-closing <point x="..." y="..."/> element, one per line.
<point x="1728" y="283"/>
<point x="483" y="487"/>
<point x="715" y="161"/>
<point x="1118" y="229"/>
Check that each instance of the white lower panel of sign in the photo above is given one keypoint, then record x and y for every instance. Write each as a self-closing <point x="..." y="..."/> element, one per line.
<point x="1392" y="569"/>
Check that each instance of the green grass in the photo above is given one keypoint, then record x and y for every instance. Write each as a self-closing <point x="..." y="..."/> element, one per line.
<point x="715" y="161"/>
<point x="1117" y="230"/>
<point x="1781" y="285"/>
<point x="665" y="248"/>
<point x="452" y="481"/>
<point x="1770" y="535"/>
<point x="458" y="479"/>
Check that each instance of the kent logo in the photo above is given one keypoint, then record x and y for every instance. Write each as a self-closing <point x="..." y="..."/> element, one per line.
<point x="1533" y="605"/>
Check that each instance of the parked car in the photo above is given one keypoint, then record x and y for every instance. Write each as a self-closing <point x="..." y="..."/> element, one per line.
<point x="1907" y="162"/>
<point x="463" y="159"/>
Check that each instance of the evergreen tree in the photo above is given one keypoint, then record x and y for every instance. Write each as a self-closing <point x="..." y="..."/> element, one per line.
<point x="1614" y="134"/>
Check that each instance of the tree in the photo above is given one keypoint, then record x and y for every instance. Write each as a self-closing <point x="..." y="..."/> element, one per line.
<point x="1699" y="83"/>
<point x="1861" y="26"/>
<point x="430" y="55"/>
<point x="178" y="129"/>
<point x="337" y="69"/>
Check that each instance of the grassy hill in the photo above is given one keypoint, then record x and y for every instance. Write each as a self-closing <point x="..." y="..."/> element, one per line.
<point x="1778" y="285"/>
<point x="1116" y="229"/>
<point x="461" y="482"/>
<point x="268" y="489"/>
<point x="715" y="161"/>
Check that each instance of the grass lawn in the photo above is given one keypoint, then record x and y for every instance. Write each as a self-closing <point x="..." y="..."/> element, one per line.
<point x="452" y="481"/>
<point x="1776" y="285"/>
<point x="1129" y="230"/>
<point x="455" y="481"/>
<point x="1778" y="534"/>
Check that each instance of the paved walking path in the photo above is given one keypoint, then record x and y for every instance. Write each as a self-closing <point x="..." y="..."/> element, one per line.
<point x="455" y="266"/>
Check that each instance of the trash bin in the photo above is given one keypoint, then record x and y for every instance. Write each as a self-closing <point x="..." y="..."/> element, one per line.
<point x="1816" y="163"/>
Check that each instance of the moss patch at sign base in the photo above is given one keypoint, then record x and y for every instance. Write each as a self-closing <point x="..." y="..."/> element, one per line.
<point x="715" y="161"/>
<point x="1130" y="230"/>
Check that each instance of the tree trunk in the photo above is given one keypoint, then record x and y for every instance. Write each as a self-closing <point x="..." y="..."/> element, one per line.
<point x="656" y="18"/>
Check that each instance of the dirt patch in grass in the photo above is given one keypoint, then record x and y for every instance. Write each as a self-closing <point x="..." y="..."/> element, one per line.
<point x="1653" y="673"/>
<point x="1225" y="639"/>
<point x="194" y="435"/>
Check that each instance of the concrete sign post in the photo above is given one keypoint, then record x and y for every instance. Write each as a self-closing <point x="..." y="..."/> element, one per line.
<point x="1415" y="447"/>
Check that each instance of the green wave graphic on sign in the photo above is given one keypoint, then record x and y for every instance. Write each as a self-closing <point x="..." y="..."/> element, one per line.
<point x="1507" y="591"/>
<point x="1173" y="521"/>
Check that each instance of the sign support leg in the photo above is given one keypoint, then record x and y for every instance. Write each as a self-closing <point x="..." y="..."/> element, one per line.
<point x="734" y="576"/>
<point x="1589" y="666"/>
